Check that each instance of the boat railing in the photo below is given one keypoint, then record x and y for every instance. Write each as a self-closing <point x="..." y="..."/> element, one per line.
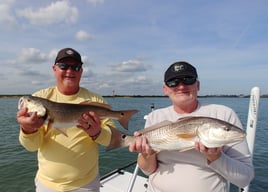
<point x="252" y="123"/>
<point x="118" y="170"/>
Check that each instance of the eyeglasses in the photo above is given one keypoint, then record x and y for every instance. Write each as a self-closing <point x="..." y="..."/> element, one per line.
<point x="184" y="80"/>
<point x="65" y="66"/>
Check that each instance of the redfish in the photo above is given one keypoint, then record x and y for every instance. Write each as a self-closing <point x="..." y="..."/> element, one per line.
<point x="182" y="134"/>
<point x="64" y="115"/>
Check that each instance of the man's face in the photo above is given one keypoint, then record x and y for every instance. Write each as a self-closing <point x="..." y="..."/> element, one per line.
<point x="182" y="94"/>
<point x="68" y="73"/>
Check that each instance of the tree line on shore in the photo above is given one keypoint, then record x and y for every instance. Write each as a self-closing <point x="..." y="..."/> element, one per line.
<point x="141" y="96"/>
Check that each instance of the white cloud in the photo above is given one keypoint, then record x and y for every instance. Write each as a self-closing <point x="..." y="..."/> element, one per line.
<point x="95" y="2"/>
<point x="141" y="78"/>
<point x="135" y="79"/>
<point x="129" y="66"/>
<point x="32" y="55"/>
<point x="104" y="85"/>
<point x="6" y="15"/>
<point x="36" y="83"/>
<point x="56" y="12"/>
<point x="83" y="35"/>
<point x="52" y="54"/>
<point x="130" y="51"/>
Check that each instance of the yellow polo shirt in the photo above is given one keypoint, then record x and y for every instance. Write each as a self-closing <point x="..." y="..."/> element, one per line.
<point x="67" y="163"/>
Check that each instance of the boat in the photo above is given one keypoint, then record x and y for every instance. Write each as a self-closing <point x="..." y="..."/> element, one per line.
<point x="120" y="180"/>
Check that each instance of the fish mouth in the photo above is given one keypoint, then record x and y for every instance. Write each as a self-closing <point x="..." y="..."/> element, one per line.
<point x="220" y="142"/>
<point x="20" y="103"/>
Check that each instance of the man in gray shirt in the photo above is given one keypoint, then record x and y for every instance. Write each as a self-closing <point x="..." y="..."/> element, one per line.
<point x="201" y="169"/>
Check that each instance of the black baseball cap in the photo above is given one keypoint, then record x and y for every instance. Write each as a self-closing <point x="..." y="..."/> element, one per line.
<point x="68" y="53"/>
<point x="180" y="69"/>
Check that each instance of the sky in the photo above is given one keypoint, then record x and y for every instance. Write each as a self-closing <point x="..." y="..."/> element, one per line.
<point x="126" y="45"/>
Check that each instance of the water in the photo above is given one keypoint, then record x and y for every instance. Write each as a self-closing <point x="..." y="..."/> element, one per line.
<point x="18" y="166"/>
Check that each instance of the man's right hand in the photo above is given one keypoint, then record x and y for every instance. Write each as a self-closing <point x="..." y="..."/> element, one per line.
<point x="29" y="123"/>
<point x="147" y="159"/>
<point x="140" y="145"/>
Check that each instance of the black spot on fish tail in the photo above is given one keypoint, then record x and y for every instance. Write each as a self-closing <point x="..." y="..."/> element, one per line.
<point x="117" y="139"/>
<point x="125" y="117"/>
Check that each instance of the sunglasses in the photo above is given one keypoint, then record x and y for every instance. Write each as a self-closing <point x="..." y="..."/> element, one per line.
<point x="184" y="80"/>
<point x="65" y="66"/>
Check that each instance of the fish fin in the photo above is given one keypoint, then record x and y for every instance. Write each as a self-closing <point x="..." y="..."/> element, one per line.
<point x="186" y="118"/>
<point x="96" y="104"/>
<point x="186" y="136"/>
<point x="61" y="130"/>
<point x="49" y="125"/>
<point x="125" y="117"/>
<point x="118" y="139"/>
<point x="164" y="123"/>
<point x="158" y="125"/>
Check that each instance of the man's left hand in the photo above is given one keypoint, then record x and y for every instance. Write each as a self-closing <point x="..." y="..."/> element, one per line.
<point x="91" y="124"/>
<point x="211" y="154"/>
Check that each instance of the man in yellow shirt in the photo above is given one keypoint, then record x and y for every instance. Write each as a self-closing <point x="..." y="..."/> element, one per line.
<point x="66" y="163"/>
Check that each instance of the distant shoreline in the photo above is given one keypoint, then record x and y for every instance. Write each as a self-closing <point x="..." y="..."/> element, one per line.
<point x="147" y="96"/>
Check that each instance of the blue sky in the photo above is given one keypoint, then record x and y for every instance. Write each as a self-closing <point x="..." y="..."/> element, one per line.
<point x="128" y="44"/>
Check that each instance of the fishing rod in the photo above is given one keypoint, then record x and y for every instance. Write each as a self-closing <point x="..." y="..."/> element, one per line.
<point x="118" y="170"/>
<point x="252" y="123"/>
<point x="135" y="173"/>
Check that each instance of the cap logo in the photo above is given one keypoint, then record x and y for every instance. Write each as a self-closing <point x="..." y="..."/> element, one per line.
<point x="69" y="52"/>
<point x="178" y="68"/>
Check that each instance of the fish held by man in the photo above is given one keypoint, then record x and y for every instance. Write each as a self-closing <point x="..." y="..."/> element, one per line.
<point x="64" y="115"/>
<point x="182" y="134"/>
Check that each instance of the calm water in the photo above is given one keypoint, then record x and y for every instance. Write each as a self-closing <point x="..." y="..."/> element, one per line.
<point x="18" y="167"/>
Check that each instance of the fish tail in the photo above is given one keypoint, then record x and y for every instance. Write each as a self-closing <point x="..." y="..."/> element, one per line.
<point x="118" y="139"/>
<point x="125" y="117"/>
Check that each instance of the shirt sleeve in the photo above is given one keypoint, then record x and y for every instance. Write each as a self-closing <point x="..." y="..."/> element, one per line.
<point x="31" y="142"/>
<point x="235" y="164"/>
<point x="105" y="136"/>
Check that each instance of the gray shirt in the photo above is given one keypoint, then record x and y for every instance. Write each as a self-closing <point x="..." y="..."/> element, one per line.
<point x="189" y="171"/>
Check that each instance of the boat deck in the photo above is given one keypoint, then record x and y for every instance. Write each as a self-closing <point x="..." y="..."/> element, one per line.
<point x="120" y="182"/>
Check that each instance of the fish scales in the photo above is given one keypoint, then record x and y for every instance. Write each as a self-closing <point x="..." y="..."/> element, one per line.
<point x="64" y="115"/>
<point x="173" y="136"/>
<point x="182" y="134"/>
<point x="167" y="134"/>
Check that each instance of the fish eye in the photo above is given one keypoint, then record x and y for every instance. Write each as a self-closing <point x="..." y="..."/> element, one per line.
<point x="122" y="113"/>
<point x="227" y="128"/>
<point x="124" y="136"/>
